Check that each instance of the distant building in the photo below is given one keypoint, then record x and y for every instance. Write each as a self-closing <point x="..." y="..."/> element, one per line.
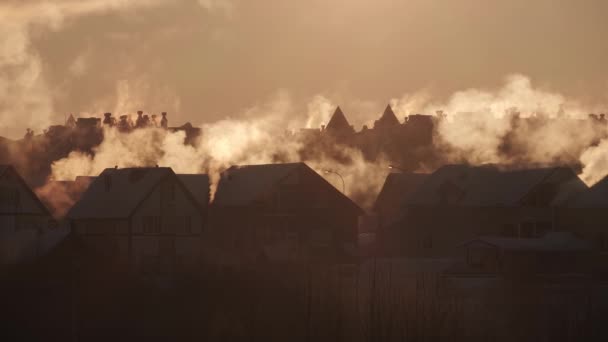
<point x="281" y="213"/>
<point x="145" y="218"/>
<point x="388" y="121"/>
<point x="458" y="202"/>
<point x="338" y="127"/>
<point x="23" y="218"/>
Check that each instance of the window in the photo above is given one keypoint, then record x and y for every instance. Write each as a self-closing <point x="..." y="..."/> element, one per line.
<point x="151" y="224"/>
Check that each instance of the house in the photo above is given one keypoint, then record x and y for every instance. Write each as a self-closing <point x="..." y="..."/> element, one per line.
<point x="587" y="213"/>
<point x="552" y="254"/>
<point x="143" y="218"/>
<point x="23" y="219"/>
<point x="199" y="187"/>
<point x="282" y="213"/>
<point x="388" y="208"/>
<point x="459" y="202"/>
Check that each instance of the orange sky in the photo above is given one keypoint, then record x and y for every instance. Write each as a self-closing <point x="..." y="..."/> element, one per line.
<point x="207" y="59"/>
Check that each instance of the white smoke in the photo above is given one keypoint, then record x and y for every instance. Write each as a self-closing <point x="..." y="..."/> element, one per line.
<point x="24" y="90"/>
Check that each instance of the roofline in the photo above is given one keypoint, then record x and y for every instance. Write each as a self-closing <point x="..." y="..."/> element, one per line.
<point x="28" y="189"/>
<point x="149" y="193"/>
<point x="355" y="205"/>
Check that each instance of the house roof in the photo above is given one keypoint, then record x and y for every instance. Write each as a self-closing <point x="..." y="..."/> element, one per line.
<point x="43" y="209"/>
<point x="488" y="185"/>
<point x="595" y="197"/>
<point x="551" y="242"/>
<point x="242" y="184"/>
<point x="198" y="185"/>
<point x="398" y="187"/>
<point x="338" y="122"/>
<point x="116" y="193"/>
<point x="388" y="118"/>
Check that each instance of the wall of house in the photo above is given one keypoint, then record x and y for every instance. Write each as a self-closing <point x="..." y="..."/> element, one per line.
<point x="301" y="219"/>
<point x="439" y="231"/>
<point x="167" y="231"/>
<point x="588" y="223"/>
<point x="22" y="220"/>
<point x="109" y="237"/>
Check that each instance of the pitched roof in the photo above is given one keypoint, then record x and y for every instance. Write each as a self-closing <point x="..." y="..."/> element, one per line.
<point x="551" y="242"/>
<point x="488" y="185"/>
<point x="198" y="185"/>
<point x="398" y="187"/>
<point x="388" y="119"/>
<point x="43" y="209"/>
<point x="338" y="122"/>
<point x="116" y="193"/>
<point x="242" y="184"/>
<point x="595" y="197"/>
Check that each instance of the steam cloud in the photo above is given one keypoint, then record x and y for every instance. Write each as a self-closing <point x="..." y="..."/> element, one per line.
<point x="258" y="137"/>
<point x="24" y="90"/>
<point x="483" y="126"/>
<point x="517" y="124"/>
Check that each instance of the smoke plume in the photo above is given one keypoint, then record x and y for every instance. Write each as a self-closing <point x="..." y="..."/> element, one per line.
<point x="25" y="91"/>
<point x="258" y="136"/>
<point x="518" y="124"/>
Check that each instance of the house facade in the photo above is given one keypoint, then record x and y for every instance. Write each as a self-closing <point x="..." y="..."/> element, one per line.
<point x="24" y="220"/>
<point x="458" y="203"/>
<point x="552" y="254"/>
<point x="142" y="218"/>
<point x="280" y="213"/>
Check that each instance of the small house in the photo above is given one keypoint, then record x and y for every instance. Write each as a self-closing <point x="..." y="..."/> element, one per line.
<point x="282" y="213"/>
<point x="23" y="218"/>
<point x="143" y="218"/>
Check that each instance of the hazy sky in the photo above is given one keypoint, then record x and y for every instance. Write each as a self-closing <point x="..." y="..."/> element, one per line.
<point x="207" y="59"/>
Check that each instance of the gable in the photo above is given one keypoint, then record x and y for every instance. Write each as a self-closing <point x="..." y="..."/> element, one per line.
<point x="16" y="197"/>
<point x="116" y="193"/>
<point x="294" y="184"/>
<point x="490" y="186"/>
